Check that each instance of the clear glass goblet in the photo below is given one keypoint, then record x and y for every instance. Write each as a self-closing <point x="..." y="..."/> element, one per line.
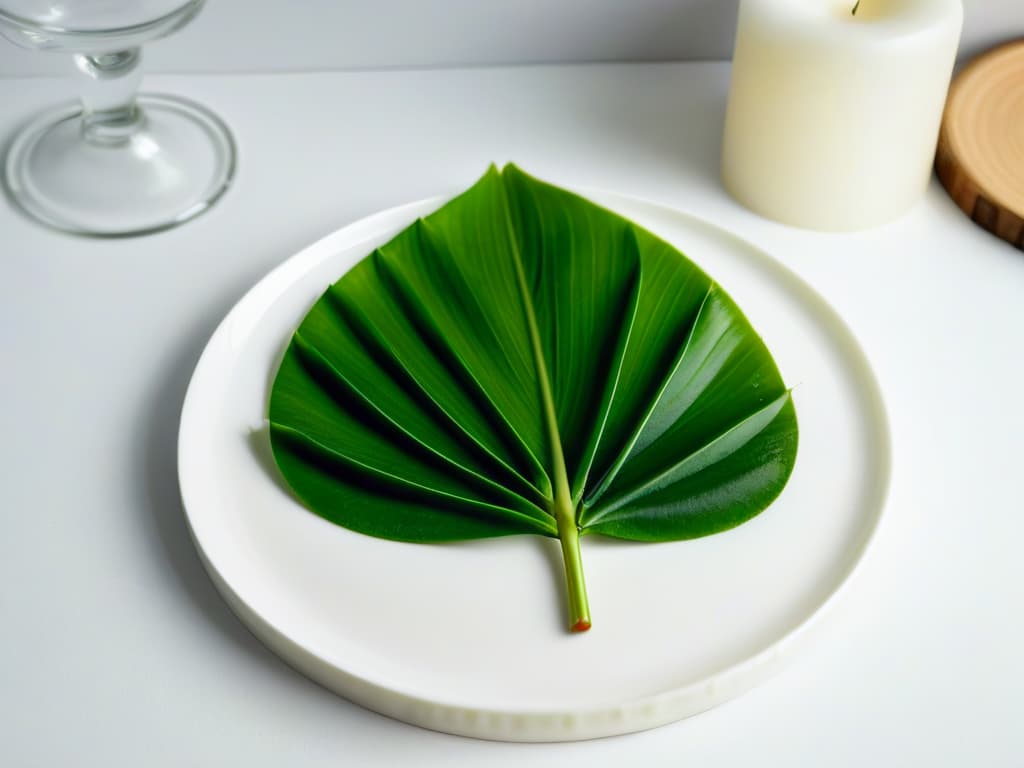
<point x="115" y="163"/>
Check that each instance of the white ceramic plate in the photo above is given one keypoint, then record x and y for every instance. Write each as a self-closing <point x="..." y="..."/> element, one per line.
<point x="410" y="630"/>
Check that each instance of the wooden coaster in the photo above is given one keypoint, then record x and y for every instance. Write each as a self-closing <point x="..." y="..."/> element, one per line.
<point x="980" y="158"/>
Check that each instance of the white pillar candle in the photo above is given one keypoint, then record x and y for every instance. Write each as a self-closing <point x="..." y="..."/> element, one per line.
<point x="833" y="116"/>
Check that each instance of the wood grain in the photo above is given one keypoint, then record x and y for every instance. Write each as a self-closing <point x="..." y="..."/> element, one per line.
<point x="980" y="157"/>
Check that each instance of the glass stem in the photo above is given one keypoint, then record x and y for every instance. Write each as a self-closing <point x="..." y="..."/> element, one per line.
<point x="108" y="84"/>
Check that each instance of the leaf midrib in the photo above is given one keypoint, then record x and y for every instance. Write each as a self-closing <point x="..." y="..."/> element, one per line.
<point x="562" y="507"/>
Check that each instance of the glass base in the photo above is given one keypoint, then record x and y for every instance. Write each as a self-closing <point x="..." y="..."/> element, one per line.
<point x="174" y="167"/>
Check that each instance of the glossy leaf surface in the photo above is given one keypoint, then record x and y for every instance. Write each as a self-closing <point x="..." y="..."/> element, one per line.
<point x="524" y="361"/>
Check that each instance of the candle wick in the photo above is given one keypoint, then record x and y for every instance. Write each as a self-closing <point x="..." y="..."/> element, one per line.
<point x="855" y="7"/>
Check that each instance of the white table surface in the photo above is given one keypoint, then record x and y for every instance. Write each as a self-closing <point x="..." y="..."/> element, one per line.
<point x="116" y="650"/>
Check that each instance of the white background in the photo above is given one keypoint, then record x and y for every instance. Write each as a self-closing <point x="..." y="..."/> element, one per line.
<point x="296" y="35"/>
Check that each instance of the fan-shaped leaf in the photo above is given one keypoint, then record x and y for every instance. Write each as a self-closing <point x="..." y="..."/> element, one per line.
<point x="524" y="361"/>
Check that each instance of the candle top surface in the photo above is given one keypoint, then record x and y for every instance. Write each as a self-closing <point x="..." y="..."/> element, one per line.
<point x="873" y="18"/>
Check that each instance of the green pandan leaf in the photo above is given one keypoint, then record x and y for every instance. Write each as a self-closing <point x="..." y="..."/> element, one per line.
<point x="524" y="361"/>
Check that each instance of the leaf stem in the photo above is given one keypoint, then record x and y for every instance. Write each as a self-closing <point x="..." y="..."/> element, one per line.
<point x="855" y="7"/>
<point x="576" y="588"/>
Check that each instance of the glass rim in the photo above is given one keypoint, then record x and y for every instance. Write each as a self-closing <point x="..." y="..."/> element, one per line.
<point x="20" y="22"/>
